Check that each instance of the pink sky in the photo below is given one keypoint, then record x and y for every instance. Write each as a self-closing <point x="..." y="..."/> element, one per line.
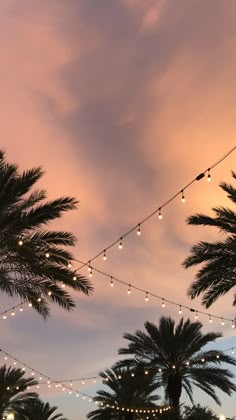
<point x="122" y="102"/>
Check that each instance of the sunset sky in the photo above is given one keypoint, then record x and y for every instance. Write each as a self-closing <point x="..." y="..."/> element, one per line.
<point x="123" y="102"/>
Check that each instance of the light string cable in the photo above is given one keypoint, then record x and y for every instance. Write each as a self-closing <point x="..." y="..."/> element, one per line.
<point x="158" y="210"/>
<point x="61" y="383"/>
<point x="12" y="310"/>
<point x="163" y="300"/>
<point x="63" y="386"/>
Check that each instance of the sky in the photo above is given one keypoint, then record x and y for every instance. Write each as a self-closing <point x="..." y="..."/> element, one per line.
<point x="123" y="102"/>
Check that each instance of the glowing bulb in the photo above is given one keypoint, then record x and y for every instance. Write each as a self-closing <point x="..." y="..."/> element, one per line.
<point x="94" y="381"/>
<point x="21" y="308"/>
<point x="196" y="315"/>
<point x="47" y="255"/>
<point x="120" y="244"/>
<point x="63" y="285"/>
<point x="104" y="255"/>
<point x="83" y="382"/>
<point x="14" y="362"/>
<point x="5" y="357"/>
<point x="4" y="316"/>
<point x="233" y="324"/>
<point x="129" y="290"/>
<point x="217" y="356"/>
<point x="69" y="265"/>
<point x="146" y="298"/>
<point x="202" y="359"/>
<point x="91" y="273"/>
<point x="74" y="278"/>
<point x="210" y="319"/>
<point x="222" y="321"/>
<point x="183" y="197"/>
<point x="112" y="283"/>
<point x="163" y="303"/>
<point x="159" y="214"/>
<point x="208" y="176"/>
<point x="146" y="372"/>
<point x="13" y="313"/>
<point x="173" y="367"/>
<point x="49" y="293"/>
<point x="30" y="304"/>
<point x="138" y="231"/>
<point x="180" y="310"/>
<point x="132" y="374"/>
<point x="39" y="299"/>
<point x="20" y="242"/>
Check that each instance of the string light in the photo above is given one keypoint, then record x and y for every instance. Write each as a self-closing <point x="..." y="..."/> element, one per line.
<point x="162" y="299"/>
<point x="129" y="290"/>
<point x="210" y="319"/>
<point x="180" y="309"/>
<point x="13" y="312"/>
<point x="139" y="230"/>
<point x="146" y="297"/>
<point x="208" y="175"/>
<point x="74" y="278"/>
<point x="183" y="197"/>
<point x="47" y="255"/>
<point x="121" y="243"/>
<point x="104" y="255"/>
<point x="172" y="198"/>
<point x="20" y="242"/>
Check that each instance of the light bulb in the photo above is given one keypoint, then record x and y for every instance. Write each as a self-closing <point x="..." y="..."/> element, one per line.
<point x="222" y="321"/>
<point x="159" y="214"/>
<point x="217" y="356"/>
<point x="49" y="293"/>
<point x="196" y="315"/>
<point x="202" y="359"/>
<point x="74" y="278"/>
<point x="132" y="374"/>
<point x="39" y="299"/>
<point x="208" y="176"/>
<point x="69" y="265"/>
<point x="30" y="304"/>
<point x="104" y="255"/>
<point x="120" y="244"/>
<point x="163" y="303"/>
<point x="20" y="242"/>
<point x="21" y="308"/>
<point x="180" y="310"/>
<point x="129" y="290"/>
<point x="138" y="231"/>
<point x="210" y="319"/>
<point x="183" y="197"/>
<point x="112" y="283"/>
<point x="146" y="372"/>
<point x="14" y="362"/>
<point x="146" y="297"/>
<point x="91" y="273"/>
<point x="63" y="285"/>
<point x="13" y="313"/>
<point x="47" y="255"/>
<point x="233" y="324"/>
<point x="4" y="316"/>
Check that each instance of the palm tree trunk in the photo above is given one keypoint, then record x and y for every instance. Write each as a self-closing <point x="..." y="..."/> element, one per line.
<point x="174" y="392"/>
<point x="129" y="416"/>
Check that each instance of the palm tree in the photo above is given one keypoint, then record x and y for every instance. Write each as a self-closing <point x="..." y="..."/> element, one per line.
<point x="218" y="275"/>
<point x="127" y="391"/>
<point x="196" y="412"/>
<point x="177" y="356"/>
<point x="34" y="264"/>
<point x="38" y="410"/>
<point x="13" y="390"/>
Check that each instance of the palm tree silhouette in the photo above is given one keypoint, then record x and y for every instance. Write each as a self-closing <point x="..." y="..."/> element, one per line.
<point x="13" y="390"/>
<point x="179" y="361"/>
<point x="37" y="410"/>
<point x="218" y="275"/>
<point x="34" y="261"/>
<point x="127" y="390"/>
